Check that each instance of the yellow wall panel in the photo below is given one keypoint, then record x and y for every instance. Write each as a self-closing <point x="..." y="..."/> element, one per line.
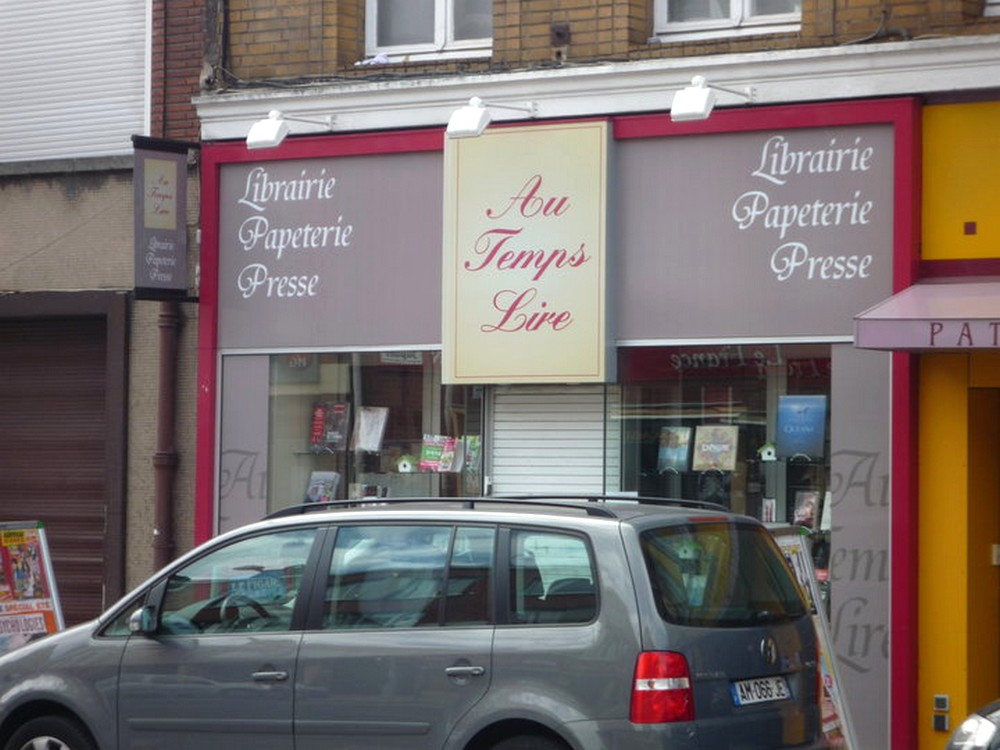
<point x="961" y="160"/>
<point x="942" y="539"/>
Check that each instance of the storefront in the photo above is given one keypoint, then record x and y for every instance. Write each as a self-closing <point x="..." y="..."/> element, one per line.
<point x="669" y="312"/>
<point x="947" y="323"/>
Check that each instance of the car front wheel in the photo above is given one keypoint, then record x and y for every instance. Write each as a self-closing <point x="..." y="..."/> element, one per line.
<point x="50" y="733"/>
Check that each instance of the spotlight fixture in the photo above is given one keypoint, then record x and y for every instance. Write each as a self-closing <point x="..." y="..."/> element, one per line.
<point x="271" y="131"/>
<point x="471" y="120"/>
<point x="696" y="101"/>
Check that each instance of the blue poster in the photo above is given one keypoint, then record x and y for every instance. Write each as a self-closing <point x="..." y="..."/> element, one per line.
<point x="801" y="426"/>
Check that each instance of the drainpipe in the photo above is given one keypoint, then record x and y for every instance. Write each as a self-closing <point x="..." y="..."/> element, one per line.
<point x="165" y="458"/>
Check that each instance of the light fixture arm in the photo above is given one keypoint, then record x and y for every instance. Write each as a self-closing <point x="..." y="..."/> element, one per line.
<point x="530" y="107"/>
<point x="326" y="121"/>
<point x="748" y="92"/>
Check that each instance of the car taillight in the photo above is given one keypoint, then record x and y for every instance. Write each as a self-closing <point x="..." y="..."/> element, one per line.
<point x="661" y="689"/>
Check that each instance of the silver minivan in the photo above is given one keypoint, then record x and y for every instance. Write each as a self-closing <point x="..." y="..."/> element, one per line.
<point x="416" y="624"/>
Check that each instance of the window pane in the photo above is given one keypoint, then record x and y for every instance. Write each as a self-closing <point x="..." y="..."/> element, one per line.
<point x="250" y="585"/>
<point x="697" y="10"/>
<point x="473" y="19"/>
<point x="745" y="426"/>
<point x="551" y="579"/>
<point x="720" y="575"/>
<point x="387" y="577"/>
<point x="346" y="425"/>
<point x="405" y="22"/>
<point x="469" y="577"/>
<point x="772" y="7"/>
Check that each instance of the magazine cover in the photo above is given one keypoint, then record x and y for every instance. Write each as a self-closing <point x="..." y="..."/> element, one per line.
<point x="322" y="487"/>
<point x="330" y="423"/>
<point x="675" y="448"/>
<point x="715" y="447"/>
<point x="430" y="452"/>
<point x="442" y="453"/>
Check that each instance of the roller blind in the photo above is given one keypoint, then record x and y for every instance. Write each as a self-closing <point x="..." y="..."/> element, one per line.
<point x="73" y="83"/>
<point x="554" y="439"/>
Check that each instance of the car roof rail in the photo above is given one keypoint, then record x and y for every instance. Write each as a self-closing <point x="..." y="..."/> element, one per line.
<point x="594" y="504"/>
<point x="626" y="498"/>
<point x="581" y="504"/>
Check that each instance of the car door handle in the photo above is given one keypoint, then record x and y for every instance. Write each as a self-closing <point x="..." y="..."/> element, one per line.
<point x="271" y="676"/>
<point x="465" y="671"/>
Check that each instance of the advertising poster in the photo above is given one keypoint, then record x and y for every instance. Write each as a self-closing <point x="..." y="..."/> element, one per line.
<point x="29" y="606"/>
<point x="675" y="447"/>
<point x="801" y="426"/>
<point x="715" y="447"/>
<point x="837" y="728"/>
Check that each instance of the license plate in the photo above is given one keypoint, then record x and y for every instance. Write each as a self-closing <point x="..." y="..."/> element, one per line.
<point x="760" y="690"/>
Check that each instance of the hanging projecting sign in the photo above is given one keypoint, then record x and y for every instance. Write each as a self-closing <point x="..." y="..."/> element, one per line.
<point x="160" y="217"/>
<point x="525" y="256"/>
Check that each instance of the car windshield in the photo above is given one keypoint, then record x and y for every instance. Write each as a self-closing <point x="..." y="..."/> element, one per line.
<point x="717" y="574"/>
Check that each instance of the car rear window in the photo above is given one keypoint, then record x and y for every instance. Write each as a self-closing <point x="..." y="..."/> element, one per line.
<point x="720" y="574"/>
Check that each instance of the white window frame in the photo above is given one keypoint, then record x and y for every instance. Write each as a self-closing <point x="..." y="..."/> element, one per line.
<point x="739" y="23"/>
<point x="992" y="8"/>
<point x="444" y="46"/>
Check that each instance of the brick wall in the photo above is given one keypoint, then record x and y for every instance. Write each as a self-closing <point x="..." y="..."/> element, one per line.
<point x="304" y="39"/>
<point x="179" y="34"/>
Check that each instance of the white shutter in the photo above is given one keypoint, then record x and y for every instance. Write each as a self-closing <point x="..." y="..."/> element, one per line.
<point x="73" y="81"/>
<point x="554" y="439"/>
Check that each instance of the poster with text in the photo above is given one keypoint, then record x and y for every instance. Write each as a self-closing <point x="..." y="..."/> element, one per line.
<point x="29" y="606"/>
<point x="801" y="426"/>
<point x="837" y="728"/>
<point x="715" y="447"/>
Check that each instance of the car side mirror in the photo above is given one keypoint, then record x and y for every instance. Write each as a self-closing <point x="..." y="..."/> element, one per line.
<point x="143" y="621"/>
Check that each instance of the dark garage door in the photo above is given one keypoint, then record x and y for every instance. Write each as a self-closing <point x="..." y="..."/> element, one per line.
<point x="54" y="447"/>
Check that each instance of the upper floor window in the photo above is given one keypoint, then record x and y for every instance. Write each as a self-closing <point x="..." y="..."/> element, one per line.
<point x="704" y="18"/>
<point x="429" y="28"/>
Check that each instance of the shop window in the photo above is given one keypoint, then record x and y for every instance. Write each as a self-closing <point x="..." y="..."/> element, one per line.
<point x="743" y="426"/>
<point x="349" y="425"/>
<point x="429" y="28"/>
<point x="698" y="18"/>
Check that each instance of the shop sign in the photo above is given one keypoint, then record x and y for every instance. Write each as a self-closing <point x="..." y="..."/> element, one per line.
<point x="524" y="263"/>
<point x="754" y="234"/>
<point x="160" y="218"/>
<point x="330" y="252"/>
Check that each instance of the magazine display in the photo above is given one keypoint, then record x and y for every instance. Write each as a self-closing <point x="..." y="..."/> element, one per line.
<point x="675" y="449"/>
<point x="715" y="447"/>
<point x="330" y="423"/>
<point x="442" y="453"/>
<point x="323" y="486"/>
<point x="29" y="605"/>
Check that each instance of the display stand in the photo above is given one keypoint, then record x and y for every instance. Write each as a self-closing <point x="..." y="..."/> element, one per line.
<point x="29" y="603"/>
<point x="837" y="727"/>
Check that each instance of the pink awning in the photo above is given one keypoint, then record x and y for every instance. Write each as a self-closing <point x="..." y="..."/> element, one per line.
<point x="934" y="315"/>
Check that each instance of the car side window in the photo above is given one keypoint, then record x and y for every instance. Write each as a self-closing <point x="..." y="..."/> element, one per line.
<point x="551" y="578"/>
<point x="248" y="585"/>
<point x="409" y="576"/>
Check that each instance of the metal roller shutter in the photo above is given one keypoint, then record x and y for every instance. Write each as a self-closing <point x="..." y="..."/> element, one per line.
<point x="554" y="439"/>
<point x="53" y="437"/>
